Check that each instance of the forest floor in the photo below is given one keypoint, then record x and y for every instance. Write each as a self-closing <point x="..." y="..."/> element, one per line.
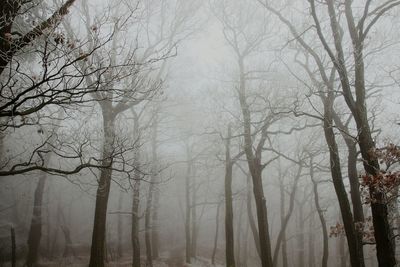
<point x="123" y="262"/>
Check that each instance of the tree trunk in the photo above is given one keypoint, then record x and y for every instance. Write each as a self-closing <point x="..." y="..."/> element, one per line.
<point x="216" y="235"/>
<point x="156" y="193"/>
<point x="300" y="239"/>
<point x="13" y="248"/>
<point x="147" y="222"/>
<point x="287" y="216"/>
<point x="136" y="195"/>
<point x="193" y="246"/>
<point x="187" y="213"/>
<point x="250" y="216"/>
<point x="229" y="240"/>
<point x="119" y="227"/>
<point x="353" y="179"/>
<point x="325" y="248"/>
<point x="311" y="247"/>
<point x="35" y="231"/>
<point x="345" y="209"/>
<point x="97" y="252"/>
<point x="68" y="249"/>
<point x="135" y="222"/>
<point x="282" y="207"/>
<point x="255" y="167"/>
<point x="382" y="231"/>
<point x="341" y="251"/>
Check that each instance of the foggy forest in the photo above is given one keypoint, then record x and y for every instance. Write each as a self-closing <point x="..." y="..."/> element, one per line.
<point x="199" y="133"/>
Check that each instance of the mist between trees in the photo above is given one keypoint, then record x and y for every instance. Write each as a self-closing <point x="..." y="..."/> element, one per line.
<point x="177" y="133"/>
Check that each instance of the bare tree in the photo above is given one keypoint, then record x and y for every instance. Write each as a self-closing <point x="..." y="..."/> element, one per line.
<point x="358" y="29"/>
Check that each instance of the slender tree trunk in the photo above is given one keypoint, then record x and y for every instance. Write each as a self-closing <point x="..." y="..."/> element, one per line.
<point x="250" y="216"/>
<point x="340" y="189"/>
<point x="193" y="246"/>
<point x="97" y="252"/>
<point x="382" y="231"/>
<point x="136" y="196"/>
<point x="216" y="235"/>
<point x="229" y="240"/>
<point x="156" y="193"/>
<point x="287" y="216"/>
<point x="341" y="251"/>
<point x="135" y="222"/>
<point x="353" y="180"/>
<point x="13" y="248"/>
<point x="68" y="249"/>
<point x="147" y="222"/>
<point x="35" y="231"/>
<point x="284" y="244"/>
<point x="239" y="235"/>
<point x="311" y="247"/>
<point x="325" y="248"/>
<point x="246" y="247"/>
<point x="48" y="222"/>
<point x="119" y="227"/>
<point x="187" y="212"/>
<point x="155" y="226"/>
<point x="256" y="168"/>
<point x="300" y="238"/>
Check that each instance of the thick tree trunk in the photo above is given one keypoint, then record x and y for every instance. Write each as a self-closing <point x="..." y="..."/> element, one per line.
<point x="35" y="231"/>
<point x="97" y="252"/>
<point x="229" y="240"/>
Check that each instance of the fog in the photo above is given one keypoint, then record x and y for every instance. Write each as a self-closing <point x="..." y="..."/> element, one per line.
<point x="236" y="133"/>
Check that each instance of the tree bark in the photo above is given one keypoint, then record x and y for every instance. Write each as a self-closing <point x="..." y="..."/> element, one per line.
<point x="250" y="216"/>
<point x="193" y="245"/>
<point x="35" y="231"/>
<point x="286" y="218"/>
<point x="382" y="231"/>
<point x="229" y="240"/>
<point x="147" y="222"/>
<point x="156" y="193"/>
<point x="97" y="252"/>
<point x="187" y="211"/>
<point x="119" y="227"/>
<point x="136" y="197"/>
<point x="340" y="189"/>
<point x="255" y="167"/>
<point x="13" y="248"/>
<point x="325" y="248"/>
<point x="216" y="235"/>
